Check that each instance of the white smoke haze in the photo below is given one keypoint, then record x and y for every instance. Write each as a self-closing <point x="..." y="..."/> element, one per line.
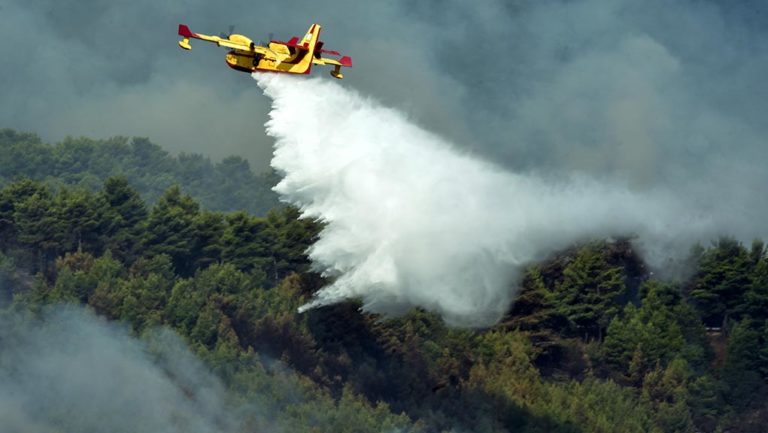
<point x="412" y="221"/>
<point x="70" y="371"/>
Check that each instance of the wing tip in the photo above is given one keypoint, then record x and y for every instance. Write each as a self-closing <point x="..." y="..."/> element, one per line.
<point x="346" y="61"/>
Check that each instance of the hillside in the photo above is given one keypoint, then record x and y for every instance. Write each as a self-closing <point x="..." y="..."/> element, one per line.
<point x="83" y="162"/>
<point x="593" y="343"/>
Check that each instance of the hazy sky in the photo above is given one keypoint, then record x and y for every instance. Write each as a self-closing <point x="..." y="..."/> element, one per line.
<point x="102" y="68"/>
<point x="656" y="94"/>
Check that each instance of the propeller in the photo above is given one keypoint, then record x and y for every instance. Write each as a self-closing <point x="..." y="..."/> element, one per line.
<point x="270" y="37"/>
<point x="228" y="34"/>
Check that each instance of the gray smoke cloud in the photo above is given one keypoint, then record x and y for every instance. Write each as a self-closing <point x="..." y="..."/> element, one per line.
<point x="104" y="68"/>
<point x="652" y="94"/>
<point x="69" y="371"/>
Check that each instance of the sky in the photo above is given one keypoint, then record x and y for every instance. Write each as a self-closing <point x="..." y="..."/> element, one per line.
<point x="655" y="95"/>
<point x="103" y="68"/>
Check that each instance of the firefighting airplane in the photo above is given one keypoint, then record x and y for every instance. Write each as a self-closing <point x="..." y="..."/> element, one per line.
<point x="293" y="57"/>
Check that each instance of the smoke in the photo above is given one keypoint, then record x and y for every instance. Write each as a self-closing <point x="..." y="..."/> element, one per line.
<point x="104" y="68"/>
<point x="652" y="93"/>
<point x="70" y="371"/>
<point x="413" y="221"/>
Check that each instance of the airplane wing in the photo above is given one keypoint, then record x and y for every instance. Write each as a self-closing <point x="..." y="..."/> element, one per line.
<point x="186" y="34"/>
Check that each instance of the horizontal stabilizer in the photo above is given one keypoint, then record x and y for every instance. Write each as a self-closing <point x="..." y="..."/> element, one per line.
<point x="294" y="43"/>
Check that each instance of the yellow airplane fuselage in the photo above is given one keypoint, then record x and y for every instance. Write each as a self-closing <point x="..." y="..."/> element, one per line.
<point x="282" y="60"/>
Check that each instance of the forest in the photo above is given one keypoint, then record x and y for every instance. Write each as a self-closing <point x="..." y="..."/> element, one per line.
<point x="593" y="343"/>
<point x="86" y="163"/>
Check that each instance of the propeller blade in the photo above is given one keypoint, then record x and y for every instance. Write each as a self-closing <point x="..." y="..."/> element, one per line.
<point x="228" y="34"/>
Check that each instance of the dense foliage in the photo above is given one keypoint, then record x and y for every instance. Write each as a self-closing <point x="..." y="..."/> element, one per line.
<point x="593" y="344"/>
<point x="227" y="185"/>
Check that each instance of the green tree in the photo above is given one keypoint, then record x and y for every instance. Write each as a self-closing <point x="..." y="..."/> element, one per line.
<point x="723" y="277"/>
<point x="125" y="214"/>
<point x="666" y="389"/>
<point x="171" y="229"/>
<point x="663" y="328"/>
<point x="744" y="364"/>
<point x="247" y="242"/>
<point x="755" y="304"/>
<point x="705" y="402"/>
<point x="190" y="296"/>
<point x="11" y="198"/>
<point x="80" y="274"/>
<point x="536" y="307"/>
<point x="8" y="279"/>
<point x="23" y="155"/>
<point x="591" y="292"/>
<point x="208" y="246"/>
<point x="38" y="227"/>
<point x="83" y="220"/>
<point x="139" y="298"/>
<point x="290" y="237"/>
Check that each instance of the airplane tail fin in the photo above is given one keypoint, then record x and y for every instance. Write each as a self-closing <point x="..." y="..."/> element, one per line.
<point x="308" y="44"/>
<point x="309" y="41"/>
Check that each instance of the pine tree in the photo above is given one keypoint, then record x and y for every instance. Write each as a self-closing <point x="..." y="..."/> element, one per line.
<point x="247" y="243"/>
<point x="290" y="236"/>
<point x="38" y="227"/>
<point x="126" y="215"/>
<point x="756" y="296"/>
<point x="83" y="219"/>
<point x="722" y="280"/>
<point x="208" y="244"/>
<point x="171" y="229"/>
<point x="742" y="365"/>
<point x="591" y="291"/>
<point x="663" y="328"/>
<point x="11" y="197"/>
<point x="536" y="306"/>
<point x="666" y="390"/>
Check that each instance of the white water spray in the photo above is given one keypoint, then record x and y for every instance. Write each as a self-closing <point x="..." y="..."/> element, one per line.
<point x="412" y="221"/>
